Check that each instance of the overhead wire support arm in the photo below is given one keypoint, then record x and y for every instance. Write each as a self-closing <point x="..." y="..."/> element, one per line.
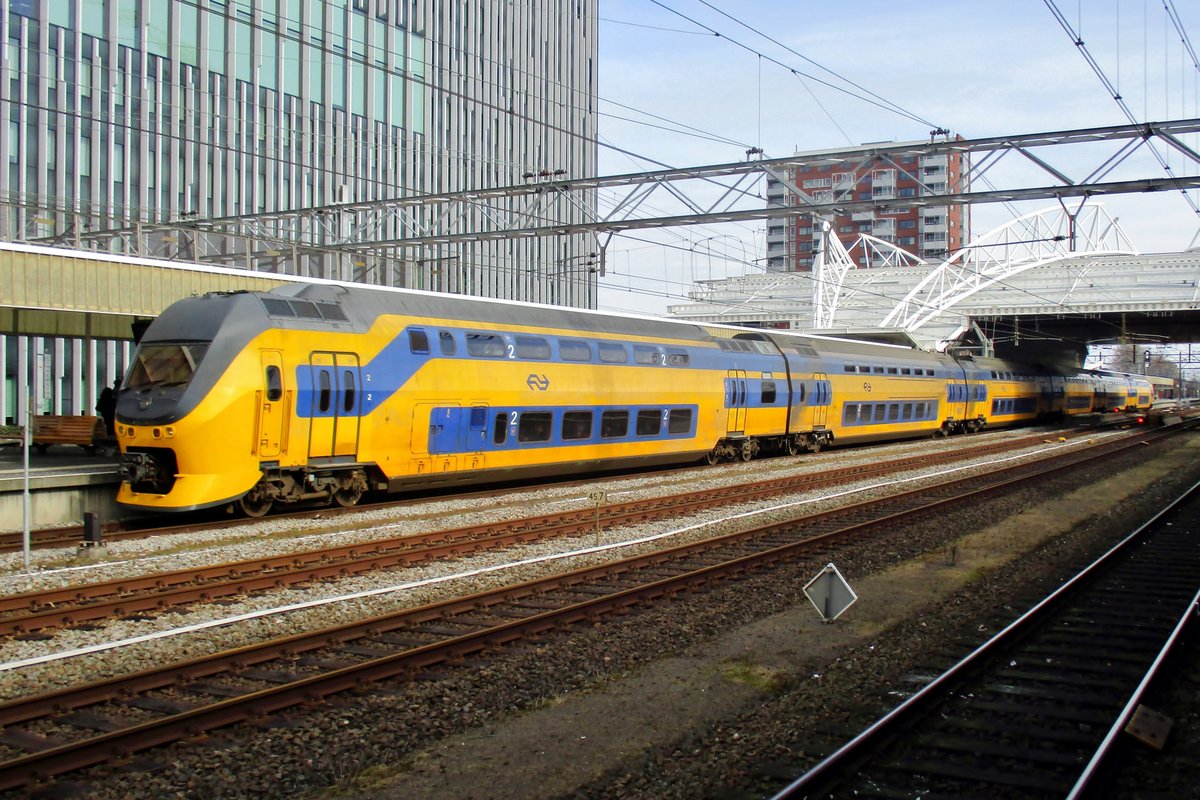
<point x="525" y="210"/>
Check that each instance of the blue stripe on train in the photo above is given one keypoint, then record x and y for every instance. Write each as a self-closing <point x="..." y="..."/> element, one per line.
<point x="473" y="429"/>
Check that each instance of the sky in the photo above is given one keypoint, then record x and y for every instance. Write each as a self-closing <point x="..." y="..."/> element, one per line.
<point x="978" y="68"/>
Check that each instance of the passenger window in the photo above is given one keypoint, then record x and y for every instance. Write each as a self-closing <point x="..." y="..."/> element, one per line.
<point x="614" y="424"/>
<point x="418" y="341"/>
<point x="446" y="341"/>
<point x="274" y="383"/>
<point x="535" y="426"/>
<point x="677" y="358"/>
<point x="920" y="411"/>
<point x="863" y="369"/>
<point x="891" y="370"/>
<point x="879" y="370"/>
<point x="905" y="371"/>
<point x="485" y="345"/>
<point x="348" y="391"/>
<point x="574" y="350"/>
<point x="649" y="422"/>
<point x="533" y="347"/>
<point x="323" y="395"/>
<point x="880" y="410"/>
<point x="851" y="413"/>
<point x="849" y="368"/>
<point x="908" y="409"/>
<point x="576" y="425"/>
<point x="768" y="392"/>
<point x="611" y="353"/>
<point x="500" y="434"/>
<point x="679" y="420"/>
<point x="645" y="355"/>
<point x="893" y="412"/>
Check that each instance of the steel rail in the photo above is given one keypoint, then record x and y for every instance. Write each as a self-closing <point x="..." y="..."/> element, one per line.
<point x="38" y="610"/>
<point x="817" y="778"/>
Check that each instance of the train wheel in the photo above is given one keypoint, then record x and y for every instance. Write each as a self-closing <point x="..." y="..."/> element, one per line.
<point x="815" y="445"/>
<point x="747" y="450"/>
<point x="254" y="503"/>
<point x="348" y="498"/>
<point x="793" y="447"/>
<point x="712" y="458"/>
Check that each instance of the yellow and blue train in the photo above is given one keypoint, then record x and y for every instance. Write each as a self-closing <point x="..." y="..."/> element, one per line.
<point x="323" y="392"/>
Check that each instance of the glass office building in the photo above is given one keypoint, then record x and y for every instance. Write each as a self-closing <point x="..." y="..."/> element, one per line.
<point x="156" y="111"/>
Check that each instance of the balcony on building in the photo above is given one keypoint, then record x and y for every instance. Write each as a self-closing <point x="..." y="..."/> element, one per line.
<point x="884" y="229"/>
<point x="934" y="223"/>
<point x="883" y="177"/>
<point x="843" y="180"/>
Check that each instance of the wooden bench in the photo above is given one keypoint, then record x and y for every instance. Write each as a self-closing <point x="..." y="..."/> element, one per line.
<point x="87" y="432"/>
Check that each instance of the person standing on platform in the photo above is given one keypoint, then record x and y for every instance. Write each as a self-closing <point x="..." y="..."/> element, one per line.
<point x="106" y="407"/>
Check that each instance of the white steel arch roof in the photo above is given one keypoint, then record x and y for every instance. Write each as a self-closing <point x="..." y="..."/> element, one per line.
<point x="1036" y="239"/>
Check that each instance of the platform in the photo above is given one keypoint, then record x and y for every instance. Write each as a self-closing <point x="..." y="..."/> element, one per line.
<point x="64" y="482"/>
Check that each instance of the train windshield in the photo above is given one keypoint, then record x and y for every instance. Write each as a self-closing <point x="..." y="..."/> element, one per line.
<point x="165" y="365"/>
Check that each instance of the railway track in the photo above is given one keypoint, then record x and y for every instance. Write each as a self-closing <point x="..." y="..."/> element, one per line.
<point x="73" y="535"/>
<point x="70" y="729"/>
<point x="88" y="602"/>
<point x="1034" y="712"/>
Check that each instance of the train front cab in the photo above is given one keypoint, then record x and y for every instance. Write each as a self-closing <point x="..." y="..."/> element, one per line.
<point x="197" y="459"/>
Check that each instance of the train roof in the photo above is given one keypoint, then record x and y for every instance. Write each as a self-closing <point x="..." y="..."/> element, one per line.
<point x="351" y="306"/>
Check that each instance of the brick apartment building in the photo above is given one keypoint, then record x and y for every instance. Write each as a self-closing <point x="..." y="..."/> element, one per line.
<point x="924" y="228"/>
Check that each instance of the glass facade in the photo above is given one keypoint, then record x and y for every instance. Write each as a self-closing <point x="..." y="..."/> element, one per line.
<point x="157" y="111"/>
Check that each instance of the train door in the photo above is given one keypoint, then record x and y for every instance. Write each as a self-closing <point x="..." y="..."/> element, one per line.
<point x="976" y="399"/>
<point x="322" y="419"/>
<point x="820" y="400"/>
<point x="336" y="400"/>
<point x="349" y="402"/>
<point x="457" y="434"/>
<point x="273" y="402"/>
<point x="474" y="433"/>
<point x="735" y="400"/>
<point x="444" y="423"/>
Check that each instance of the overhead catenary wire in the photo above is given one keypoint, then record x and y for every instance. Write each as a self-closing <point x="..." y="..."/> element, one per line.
<point x="1109" y="87"/>
<point x="886" y="106"/>
<point x="898" y="108"/>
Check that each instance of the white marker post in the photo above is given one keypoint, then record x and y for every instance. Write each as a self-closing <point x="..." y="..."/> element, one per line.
<point x="28" y="442"/>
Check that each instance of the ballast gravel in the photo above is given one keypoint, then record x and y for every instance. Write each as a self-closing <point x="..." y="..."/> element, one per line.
<point x="193" y="630"/>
